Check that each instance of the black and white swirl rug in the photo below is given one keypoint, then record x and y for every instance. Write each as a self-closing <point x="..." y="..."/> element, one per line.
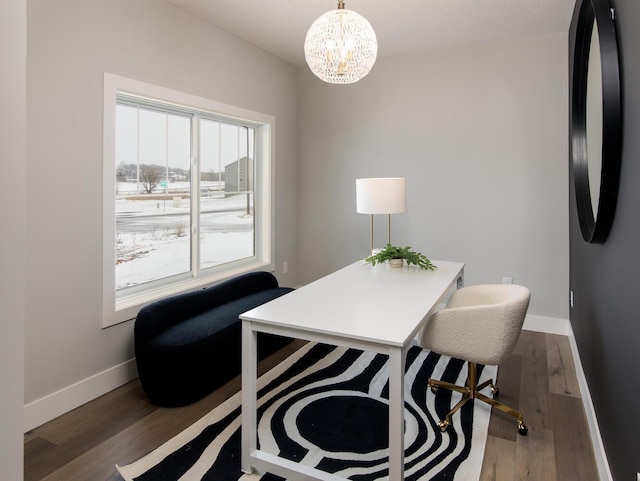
<point x="327" y="407"/>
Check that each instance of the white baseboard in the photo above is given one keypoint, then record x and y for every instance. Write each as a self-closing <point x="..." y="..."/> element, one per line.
<point x="596" y="440"/>
<point x="563" y="327"/>
<point x="549" y="325"/>
<point x="53" y="405"/>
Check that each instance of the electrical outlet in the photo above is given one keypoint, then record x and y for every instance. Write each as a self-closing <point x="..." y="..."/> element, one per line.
<point x="507" y="280"/>
<point x="571" y="304"/>
<point x="285" y="267"/>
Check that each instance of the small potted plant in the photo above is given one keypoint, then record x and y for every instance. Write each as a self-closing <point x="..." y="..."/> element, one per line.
<point x="398" y="255"/>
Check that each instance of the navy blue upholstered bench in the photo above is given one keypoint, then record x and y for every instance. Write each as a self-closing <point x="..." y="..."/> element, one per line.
<point x="188" y="345"/>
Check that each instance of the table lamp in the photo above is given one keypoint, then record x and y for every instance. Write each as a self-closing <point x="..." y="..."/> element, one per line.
<point x="386" y="195"/>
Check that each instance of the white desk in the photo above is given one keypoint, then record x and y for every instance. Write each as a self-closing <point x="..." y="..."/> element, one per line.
<point x="378" y="309"/>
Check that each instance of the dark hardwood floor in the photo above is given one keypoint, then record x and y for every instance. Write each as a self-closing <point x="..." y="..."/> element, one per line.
<point x="539" y="379"/>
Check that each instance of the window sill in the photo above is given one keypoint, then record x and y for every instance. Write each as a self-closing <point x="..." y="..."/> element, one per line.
<point x="127" y="307"/>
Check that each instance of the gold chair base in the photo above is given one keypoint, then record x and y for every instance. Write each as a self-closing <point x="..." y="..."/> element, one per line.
<point x="472" y="391"/>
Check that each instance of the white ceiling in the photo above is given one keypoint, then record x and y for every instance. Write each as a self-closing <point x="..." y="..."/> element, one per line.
<point x="402" y="26"/>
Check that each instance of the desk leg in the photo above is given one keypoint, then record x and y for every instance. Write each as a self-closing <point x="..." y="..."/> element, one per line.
<point x="249" y="403"/>
<point x="396" y="414"/>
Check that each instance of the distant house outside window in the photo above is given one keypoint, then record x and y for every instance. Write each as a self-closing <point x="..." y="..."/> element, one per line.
<point x="190" y="194"/>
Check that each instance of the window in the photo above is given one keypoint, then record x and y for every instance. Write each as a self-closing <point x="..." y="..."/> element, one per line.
<point x="192" y="199"/>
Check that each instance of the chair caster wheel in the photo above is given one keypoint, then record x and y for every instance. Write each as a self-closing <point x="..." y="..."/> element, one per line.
<point x="434" y="389"/>
<point x="522" y="428"/>
<point x="443" y="425"/>
<point x="495" y="391"/>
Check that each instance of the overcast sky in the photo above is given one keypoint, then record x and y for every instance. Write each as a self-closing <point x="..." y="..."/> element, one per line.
<point x="163" y="137"/>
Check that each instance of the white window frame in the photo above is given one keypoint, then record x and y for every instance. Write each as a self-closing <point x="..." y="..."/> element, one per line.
<point x="120" y="308"/>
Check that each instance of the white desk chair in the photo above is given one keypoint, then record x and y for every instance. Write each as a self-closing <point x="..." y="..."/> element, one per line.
<point x="481" y="325"/>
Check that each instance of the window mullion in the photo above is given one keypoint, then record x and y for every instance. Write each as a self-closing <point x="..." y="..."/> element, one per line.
<point x="166" y="157"/>
<point x="248" y="175"/>
<point x="195" y="194"/>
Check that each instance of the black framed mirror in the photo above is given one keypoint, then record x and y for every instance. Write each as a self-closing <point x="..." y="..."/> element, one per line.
<point x="595" y="117"/>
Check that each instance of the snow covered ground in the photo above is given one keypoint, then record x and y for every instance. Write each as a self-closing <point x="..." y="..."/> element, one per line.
<point x="161" y="246"/>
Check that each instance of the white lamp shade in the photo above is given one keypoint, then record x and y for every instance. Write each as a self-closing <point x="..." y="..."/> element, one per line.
<point x="381" y="195"/>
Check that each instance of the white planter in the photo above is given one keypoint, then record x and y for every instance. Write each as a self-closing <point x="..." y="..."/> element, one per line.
<point x="396" y="262"/>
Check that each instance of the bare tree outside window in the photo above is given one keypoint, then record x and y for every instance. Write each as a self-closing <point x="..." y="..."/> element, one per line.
<point x="151" y="176"/>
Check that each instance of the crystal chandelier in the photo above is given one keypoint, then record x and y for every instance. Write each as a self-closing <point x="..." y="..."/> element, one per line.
<point x="341" y="46"/>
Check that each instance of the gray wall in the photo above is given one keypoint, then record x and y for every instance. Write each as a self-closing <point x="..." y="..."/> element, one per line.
<point x="480" y="134"/>
<point x="13" y="68"/>
<point x="70" y="45"/>
<point x="604" y="279"/>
